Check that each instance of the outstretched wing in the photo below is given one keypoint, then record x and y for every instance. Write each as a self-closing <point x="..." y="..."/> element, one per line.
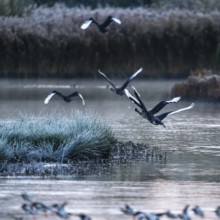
<point x="86" y="24"/>
<point x="83" y="101"/>
<point x="161" y="104"/>
<point x="130" y="78"/>
<point x="107" y="21"/>
<point x="164" y="115"/>
<point x="48" y="98"/>
<point x="139" y="99"/>
<point x="101" y="73"/>
<point x="76" y="93"/>
<point x="132" y="98"/>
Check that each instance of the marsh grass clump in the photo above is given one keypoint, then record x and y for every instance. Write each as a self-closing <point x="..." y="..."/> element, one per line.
<point x="200" y="85"/>
<point x="55" y="138"/>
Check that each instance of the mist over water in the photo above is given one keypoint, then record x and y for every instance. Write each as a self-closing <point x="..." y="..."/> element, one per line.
<point x="190" y="175"/>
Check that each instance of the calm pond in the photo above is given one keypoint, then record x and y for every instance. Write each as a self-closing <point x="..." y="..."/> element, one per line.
<point x="190" y="175"/>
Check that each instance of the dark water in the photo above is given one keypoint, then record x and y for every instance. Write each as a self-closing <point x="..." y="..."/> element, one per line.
<point x="191" y="174"/>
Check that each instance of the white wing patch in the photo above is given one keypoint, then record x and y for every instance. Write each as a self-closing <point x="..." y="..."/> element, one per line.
<point x="183" y="109"/>
<point x="48" y="98"/>
<point x="86" y="24"/>
<point x="176" y="99"/>
<point x="136" y="73"/>
<point x="136" y="91"/>
<point x="100" y="72"/>
<point x="128" y="94"/>
<point x="83" y="101"/>
<point x="116" y="20"/>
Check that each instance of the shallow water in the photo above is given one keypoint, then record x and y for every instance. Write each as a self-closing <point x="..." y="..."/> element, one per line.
<point x="191" y="174"/>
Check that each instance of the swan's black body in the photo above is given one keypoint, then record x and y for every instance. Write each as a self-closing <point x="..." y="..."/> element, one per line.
<point x="102" y="27"/>
<point x="150" y="114"/>
<point x="120" y="90"/>
<point x="66" y="98"/>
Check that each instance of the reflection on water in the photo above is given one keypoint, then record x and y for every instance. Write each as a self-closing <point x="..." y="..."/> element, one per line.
<point x="191" y="139"/>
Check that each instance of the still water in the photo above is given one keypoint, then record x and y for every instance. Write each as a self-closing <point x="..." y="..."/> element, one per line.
<point x="191" y="174"/>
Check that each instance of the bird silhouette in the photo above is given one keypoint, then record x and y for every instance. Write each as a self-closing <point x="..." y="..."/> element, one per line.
<point x="127" y="210"/>
<point x="120" y="90"/>
<point x="30" y="210"/>
<point x="171" y="215"/>
<point x="39" y="206"/>
<point x="198" y="211"/>
<point x="59" y="210"/>
<point x="27" y="197"/>
<point x="150" y="115"/>
<point x="139" y="215"/>
<point x="102" y="27"/>
<point x="217" y="211"/>
<point x="84" y="217"/>
<point x="66" y="98"/>
<point x="185" y="215"/>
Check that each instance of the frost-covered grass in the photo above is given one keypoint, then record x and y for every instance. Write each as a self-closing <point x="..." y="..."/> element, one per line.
<point x="50" y="43"/>
<point x="55" y="138"/>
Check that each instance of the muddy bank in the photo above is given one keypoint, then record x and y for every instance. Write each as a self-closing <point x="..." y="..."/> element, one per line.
<point x="121" y="153"/>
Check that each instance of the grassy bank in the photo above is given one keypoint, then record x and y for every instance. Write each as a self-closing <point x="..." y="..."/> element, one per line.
<point x="202" y="86"/>
<point x="53" y="138"/>
<point x="50" y="43"/>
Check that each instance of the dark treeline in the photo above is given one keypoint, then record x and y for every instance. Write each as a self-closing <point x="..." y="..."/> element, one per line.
<point x="50" y="43"/>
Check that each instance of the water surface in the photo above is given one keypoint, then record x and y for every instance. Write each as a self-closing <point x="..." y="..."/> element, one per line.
<point x="191" y="174"/>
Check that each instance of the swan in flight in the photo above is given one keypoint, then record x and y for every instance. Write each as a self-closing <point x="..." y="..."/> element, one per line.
<point x="102" y="27"/>
<point x="120" y="90"/>
<point x="150" y="114"/>
<point x="66" y="98"/>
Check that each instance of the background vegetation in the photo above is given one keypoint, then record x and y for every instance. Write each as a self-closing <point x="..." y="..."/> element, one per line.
<point x="200" y="85"/>
<point x="167" y="38"/>
<point x="161" y="4"/>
